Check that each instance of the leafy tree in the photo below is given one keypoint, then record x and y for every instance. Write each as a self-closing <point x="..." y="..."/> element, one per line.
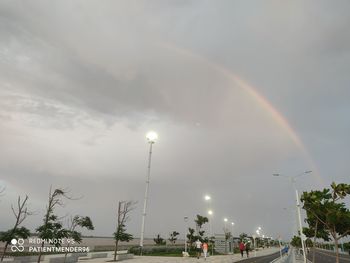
<point x="159" y="241"/>
<point x="200" y="221"/>
<point x="211" y="241"/>
<point x="173" y="237"/>
<point x="191" y="236"/>
<point x="296" y="241"/>
<point x="20" y="212"/>
<point x="124" y="209"/>
<point x="77" y="221"/>
<point x="315" y="230"/>
<point x="309" y="243"/>
<point x="347" y="246"/>
<point x="243" y="236"/>
<point x="333" y="215"/>
<point x="51" y="227"/>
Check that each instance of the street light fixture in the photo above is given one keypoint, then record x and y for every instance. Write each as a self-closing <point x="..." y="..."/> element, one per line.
<point x="225" y="220"/>
<point x="292" y="180"/>
<point x="152" y="138"/>
<point x="207" y="197"/>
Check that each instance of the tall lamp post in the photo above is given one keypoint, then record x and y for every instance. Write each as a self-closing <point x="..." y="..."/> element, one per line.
<point x="292" y="180"/>
<point x="254" y="237"/>
<point x="186" y="219"/>
<point x="233" y="241"/>
<point x="207" y="198"/>
<point x="225" y="233"/>
<point x="210" y="213"/>
<point x="151" y="137"/>
<point x="232" y="224"/>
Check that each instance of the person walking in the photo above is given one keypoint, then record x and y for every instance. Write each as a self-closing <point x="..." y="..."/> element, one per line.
<point x="242" y="248"/>
<point x="247" y="249"/>
<point x="198" y="247"/>
<point x="205" y="250"/>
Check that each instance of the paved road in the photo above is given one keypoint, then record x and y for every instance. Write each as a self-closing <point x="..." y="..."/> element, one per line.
<point x="323" y="256"/>
<point x="215" y="259"/>
<point x="262" y="259"/>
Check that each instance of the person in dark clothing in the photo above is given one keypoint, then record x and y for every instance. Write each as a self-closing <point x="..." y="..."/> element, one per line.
<point x="247" y="249"/>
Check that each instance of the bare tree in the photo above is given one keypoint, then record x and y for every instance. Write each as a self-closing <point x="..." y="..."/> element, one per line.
<point x="124" y="208"/>
<point x="20" y="212"/>
<point x="51" y="227"/>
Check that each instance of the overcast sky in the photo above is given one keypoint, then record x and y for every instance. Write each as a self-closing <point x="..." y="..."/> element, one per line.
<point x="81" y="82"/>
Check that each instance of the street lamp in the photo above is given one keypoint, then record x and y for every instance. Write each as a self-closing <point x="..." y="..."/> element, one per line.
<point x="207" y="198"/>
<point x="151" y="137"/>
<point x="210" y="213"/>
<point x="254" y="237"/>
<point x="225" y="233"/>
<point x="292" y="180"/>
<point x="186" y="219"/>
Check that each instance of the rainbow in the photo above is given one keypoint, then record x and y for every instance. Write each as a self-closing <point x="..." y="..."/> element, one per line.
<point x="256" y="96"/>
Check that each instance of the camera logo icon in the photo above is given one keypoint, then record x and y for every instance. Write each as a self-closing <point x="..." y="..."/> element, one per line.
<point x="17" y="245"/>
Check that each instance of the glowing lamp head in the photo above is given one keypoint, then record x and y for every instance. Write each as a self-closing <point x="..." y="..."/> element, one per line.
<point x="232" y="223"/>
<point x="210" y="212"/>
<point x="152" y="136"/>
<point x="207" y="198"/>
<point x="225" y="219"/>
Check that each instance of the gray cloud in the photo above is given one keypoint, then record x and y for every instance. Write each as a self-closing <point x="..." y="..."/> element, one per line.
<point x="81" y="82"/>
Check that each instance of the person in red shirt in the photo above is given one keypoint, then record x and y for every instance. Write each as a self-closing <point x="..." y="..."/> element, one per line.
<point x="242" y="248"/>
<point x="205" y="250"/>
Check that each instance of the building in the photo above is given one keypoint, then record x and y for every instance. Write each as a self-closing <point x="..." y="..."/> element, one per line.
<point x="221" y="243"/>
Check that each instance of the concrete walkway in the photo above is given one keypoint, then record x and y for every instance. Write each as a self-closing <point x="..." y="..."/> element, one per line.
<point x="214" y="259"/>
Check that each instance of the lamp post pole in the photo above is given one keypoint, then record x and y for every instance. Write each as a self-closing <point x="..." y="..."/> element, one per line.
<point x="151" y="137"/>
<point x="210" y="213"/>
<point x="292" y="179"/>
<point x="254" y="238"/>
<point x="225" y="233"/>
<point x="185" y="219"/>
<point x="232" y="224"/>
<point x="300" y="226"/>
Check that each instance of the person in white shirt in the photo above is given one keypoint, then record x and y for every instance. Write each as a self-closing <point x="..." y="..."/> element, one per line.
<point x="198" y="247"/>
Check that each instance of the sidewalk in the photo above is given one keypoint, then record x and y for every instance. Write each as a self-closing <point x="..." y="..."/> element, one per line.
<point x="214" y="259"/>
